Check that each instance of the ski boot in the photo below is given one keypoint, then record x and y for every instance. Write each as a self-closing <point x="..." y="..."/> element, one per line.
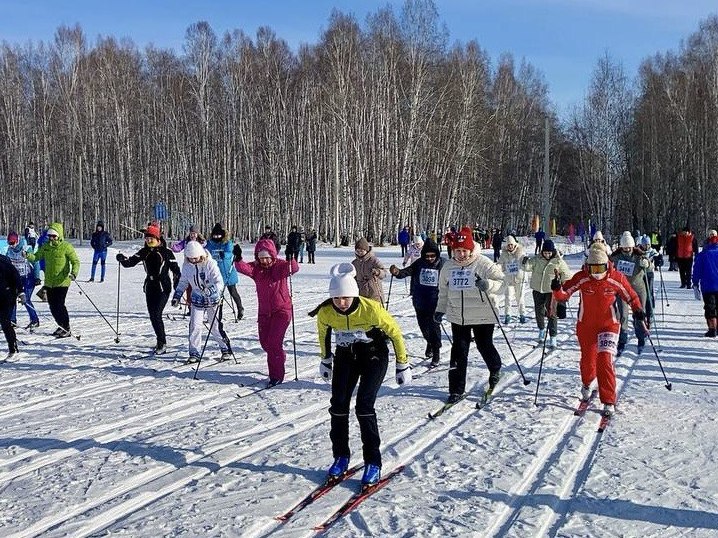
<point x="193" y="358"/>
<point x="585" y="392"/>
<point x="338" y="468"/>
<point x="435" y="357"/>
<point x="427" y="351"/>
<point x="494" y="379"/>
<point x="541" y="336"/>
<point x="507" y="319"/>
<point x="32" y="325"/>
<point x="372" y="475"/>
<point x="639" y="347"/>
<point x="522" y="319"/>
<point x="226" y="355"/>
<point x="608" y="410"/>
<point x="552" y="342"/>
<point x="159" y="350"/>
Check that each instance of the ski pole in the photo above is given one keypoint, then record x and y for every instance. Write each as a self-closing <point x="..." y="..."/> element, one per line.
<point x="294" y="334"/>
<point x="388" y="295"/>
<point x="543" y="354"/>
<point x="119" y="271"/>
<point x="649" y="299"/>
<point x="496" y="316"/>
<point x="82" y="292"/>
<point x="446" y="333"/>
<point x="669" y="385"/>
<point x="663" y="287"/>
<point x="209" y="333"/>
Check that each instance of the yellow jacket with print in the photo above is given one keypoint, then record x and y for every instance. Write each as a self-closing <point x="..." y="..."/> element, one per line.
<point x="368" y="315"/>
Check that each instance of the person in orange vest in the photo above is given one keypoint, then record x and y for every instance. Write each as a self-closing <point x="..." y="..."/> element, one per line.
<point x="686" y="249"/>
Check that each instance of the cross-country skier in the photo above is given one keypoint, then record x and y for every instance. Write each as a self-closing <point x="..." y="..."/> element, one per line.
<point x="11" y="291"/>
<point x="361" y="328"/>
<point x="369" y="271"/>
<point x="705" y="281"/>
<point x="510" y="261"/>
<point x="220" y="247"/>
<point x="29" y="274"/>
<point x="598" y="325"/>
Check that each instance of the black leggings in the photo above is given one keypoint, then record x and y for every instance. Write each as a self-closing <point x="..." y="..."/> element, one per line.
<point x="56" y="300"/>
<point x="483" y="335"/>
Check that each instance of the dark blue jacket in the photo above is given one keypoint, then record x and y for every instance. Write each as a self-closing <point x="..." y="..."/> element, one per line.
<point x="100" y="241"/>
<point x="403" y="237"/>
<point x="705" y="268"/>
<point x="424" y="278"/>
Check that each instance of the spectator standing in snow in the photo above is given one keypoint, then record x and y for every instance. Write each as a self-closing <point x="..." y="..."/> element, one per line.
<point x="539" y="236"/>
<point x="510" y="262"/>
<point x="158" y="261"/>
<point x="270" y="275"/>
<point x="293" y="242"/>
<point x="201" y="272"/>
<point x="686" y="248"/>
<point x="269" y="234"/>
<point x="61" y="267"/>
<point x="496" y="240"/>
<point x="311" y="245"/>
<point x="542" y="270"/>
<point x="29" y="275"/>
<point x="465" y="283"/>
<point x="220" y="248"/>
<point x="11" y="291"/>
<point x="302" y="243"/>
<point x="101" y="239"/>
<point x="705" y="281"/>
<point x="670" y="250"/>
<point x="361" y="329"/>
<point x="597" y="327"/>
<point x="403" y="239"/>
<point x="424" y="274"/>
<point x="369" y="271"/>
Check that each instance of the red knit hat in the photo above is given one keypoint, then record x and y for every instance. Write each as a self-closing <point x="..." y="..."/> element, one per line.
<point x="464" y="239"/>
<point x="153" y="231"/>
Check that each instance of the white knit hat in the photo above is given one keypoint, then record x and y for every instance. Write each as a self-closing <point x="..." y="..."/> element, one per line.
<point x="511" y="240"/>
<point x="627" y="240"/>
<point x="193" y="250"/>
<point x="343" y="283"/>
<point x="598" y="236"/>
<point x="597" y="255"/>
<point x="712" y="233"/>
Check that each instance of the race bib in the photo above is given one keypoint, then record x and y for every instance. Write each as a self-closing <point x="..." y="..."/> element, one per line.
<point x="461" y="279"/>
<point x="625" y="267"/>
<point x="512" y="268"/>
<point x="347" y="338"/>
<point x="429" y="277"/>
<point x="607" y="342"/>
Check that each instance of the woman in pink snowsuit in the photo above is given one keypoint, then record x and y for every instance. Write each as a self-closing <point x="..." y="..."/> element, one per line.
<point x="270" y="276"/>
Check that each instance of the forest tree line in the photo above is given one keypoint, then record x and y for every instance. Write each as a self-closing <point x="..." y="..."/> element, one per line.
<point x="382" y="123"/>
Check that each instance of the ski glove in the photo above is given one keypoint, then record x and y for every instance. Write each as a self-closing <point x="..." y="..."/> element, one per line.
<point x="482" y="284"/>
<point x="640" y="315"/>
<point x="438" y="317"/>
<point x="21" y="298"/>
<point x="237" y="253"/>
<point x="644" y="263"/>
<point x="325" y="367"/>
<point x="697" y="293"/>
<point x="555" y="284"/>
<point x="658" y="261"/>
<point x="403" y="374"/>
<point x="72" y="276"/>
<point x="175" y="301"/>
<point x="394" y="270"/>
<point x="121" y="257"/>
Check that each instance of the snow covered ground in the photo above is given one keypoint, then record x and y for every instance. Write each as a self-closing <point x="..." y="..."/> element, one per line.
<point x="95" y="443"/>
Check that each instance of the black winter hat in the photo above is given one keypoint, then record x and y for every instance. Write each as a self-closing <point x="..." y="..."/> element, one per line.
<point x="100" y="224"/>
<point x="430" y="246"/>
<point x="218" y="230"/>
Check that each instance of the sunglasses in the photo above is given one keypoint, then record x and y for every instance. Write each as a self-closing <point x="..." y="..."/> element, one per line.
<point x="596" y="269"/>
<point x="52" y="236"/>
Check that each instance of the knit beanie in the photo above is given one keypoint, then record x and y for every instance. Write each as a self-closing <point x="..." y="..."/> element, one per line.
<point x="218" y="230"/>
<point x="418" y="240"/>
<point x="712" y="233"/>
<point x="363" y="244"/>
<point x="511" y="240"/>
<point x="12" y="237"/>
<point x="194" y="228"/>
<point x="343" y="283"/>
<point x="597" y="255"/>
<point x="598" y="236"/>
<point x="152" y="231"/>
<point x="100" y="224"/>
<point x="548" y="246"/>
<point x="627" y="240"/>
<point x="464" y="239"/>
<point x="193" y="250"/>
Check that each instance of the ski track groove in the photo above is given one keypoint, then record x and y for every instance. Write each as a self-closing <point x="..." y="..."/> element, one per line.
<point x="551" y="452"/>
<point x="139" y="500"/>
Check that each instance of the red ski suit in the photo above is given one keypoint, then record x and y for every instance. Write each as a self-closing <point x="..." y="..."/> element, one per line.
<point x="597" y="315"/>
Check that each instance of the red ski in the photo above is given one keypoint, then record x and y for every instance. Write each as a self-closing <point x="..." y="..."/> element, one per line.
<point x="356" y="499"/>
<point x="583" y="404"/>
<point x="605" y="420"/>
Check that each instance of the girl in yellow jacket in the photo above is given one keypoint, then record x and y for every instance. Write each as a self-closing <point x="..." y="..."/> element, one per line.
<point x="361" y="328"/>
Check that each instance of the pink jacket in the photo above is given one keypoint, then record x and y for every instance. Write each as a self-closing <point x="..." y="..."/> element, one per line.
<point x="271" y="284"/>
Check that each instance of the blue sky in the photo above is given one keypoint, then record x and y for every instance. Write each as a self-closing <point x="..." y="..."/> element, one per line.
<point x="562" y="38"/>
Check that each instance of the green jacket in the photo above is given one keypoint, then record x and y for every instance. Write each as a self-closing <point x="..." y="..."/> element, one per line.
<point x="60" y="260"/>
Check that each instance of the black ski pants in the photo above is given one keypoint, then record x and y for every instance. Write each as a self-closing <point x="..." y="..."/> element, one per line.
<point x="430" y="329"/>
<point x="542" y="304"/>
<point x="685" y="266"/>
<point x="234" y="294"/>
<point x="366" y="364"/>
<point x="7" y="303"/>
<point x="156" y="301"/>
<point x="310" y="256"/>
<point x="56" y="301"/>
<point x="483" y="335"/>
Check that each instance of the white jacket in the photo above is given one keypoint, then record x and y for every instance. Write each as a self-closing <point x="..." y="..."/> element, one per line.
<point x="459" y="298"/>
<point x="205" y="279"/>
<point x="510" y="263"/>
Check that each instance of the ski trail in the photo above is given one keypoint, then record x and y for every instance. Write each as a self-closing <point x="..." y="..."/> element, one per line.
<point x="552" y="477"/>
<point x="195" y="468"/>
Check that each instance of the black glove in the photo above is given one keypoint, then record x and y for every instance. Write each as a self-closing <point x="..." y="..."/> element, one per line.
<point x="71" y="276"/>
<point x="640" y="315"/>
<point x="482" y="284"/>
<point x="237" y="253"/>
<point x="175" y="281"/>
<point x="221" y="254"/>
<point x="38" y="281"/>
<point x="658" y="260"/>
<point x="555" y="284"/>
<point x="121" y="257"/>
<point x="438" y="317"/>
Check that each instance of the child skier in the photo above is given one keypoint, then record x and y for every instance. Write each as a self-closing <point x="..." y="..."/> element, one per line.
<point x="510" y="261"/>
<point x="201" y="272"/>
